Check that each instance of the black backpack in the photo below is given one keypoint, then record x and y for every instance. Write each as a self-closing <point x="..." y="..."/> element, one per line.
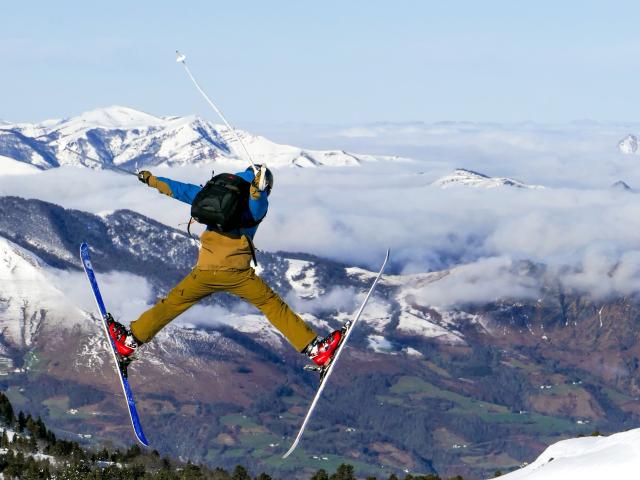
<point x="221" y="202"/>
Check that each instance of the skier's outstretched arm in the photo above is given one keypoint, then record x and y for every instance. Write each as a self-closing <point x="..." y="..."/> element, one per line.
<point x="185" y="192"/>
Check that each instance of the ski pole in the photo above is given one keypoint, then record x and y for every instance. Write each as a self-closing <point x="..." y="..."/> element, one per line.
<point x="95" y="160"/>
<point x="180" y="58"/>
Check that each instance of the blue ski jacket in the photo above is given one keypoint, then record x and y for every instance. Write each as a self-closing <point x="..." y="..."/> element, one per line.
<point x="220" y="251"/>
<point x="258" y="201"/>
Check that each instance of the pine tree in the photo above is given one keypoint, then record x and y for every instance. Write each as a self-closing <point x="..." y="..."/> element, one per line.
<point x="6" y="410"/>
<point x="191" y="472"/>
<point x="344" y="472"/>
<point x="40" y="429"/>
<point x="240" y="473"/>
<point x="321" y="475"/>
<point x="133" y="452"/>
<point x="32" y="443"/>
<point x="22" y="421"/>
<point x="221" y="474"/>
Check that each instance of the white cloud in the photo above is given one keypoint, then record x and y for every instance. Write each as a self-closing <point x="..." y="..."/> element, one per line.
<point x="125" y="295"/>
<point x="605" y="272"/>
<point x="338" y="298"/>
<point x="353" y="214"/>
<point x="485" y="280"/>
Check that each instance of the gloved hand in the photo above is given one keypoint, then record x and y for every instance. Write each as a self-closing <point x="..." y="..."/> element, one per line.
<point x="144" y="176"/>
<point x="260" y="180"/>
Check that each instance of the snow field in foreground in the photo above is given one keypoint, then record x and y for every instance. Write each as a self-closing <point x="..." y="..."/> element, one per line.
<point x="589" y="458"/>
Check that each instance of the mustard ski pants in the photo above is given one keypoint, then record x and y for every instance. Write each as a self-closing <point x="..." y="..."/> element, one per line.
<point x="243" y="283"/>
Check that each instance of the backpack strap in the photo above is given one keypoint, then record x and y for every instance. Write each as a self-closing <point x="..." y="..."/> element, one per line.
<point x="191" y="220"/>
<point x="253" y="249"/>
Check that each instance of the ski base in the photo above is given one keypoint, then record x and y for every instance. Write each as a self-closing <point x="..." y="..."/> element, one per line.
<point x="120" y="362"/>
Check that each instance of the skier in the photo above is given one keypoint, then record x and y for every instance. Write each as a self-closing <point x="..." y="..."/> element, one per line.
<point x="224" y="265"/>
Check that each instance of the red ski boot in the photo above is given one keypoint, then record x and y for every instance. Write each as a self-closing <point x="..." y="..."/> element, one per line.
<point x="321" y="350"/>
<point x="122" y="337"/>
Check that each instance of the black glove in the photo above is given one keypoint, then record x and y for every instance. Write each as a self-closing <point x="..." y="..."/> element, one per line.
<point x="144" y="176"/>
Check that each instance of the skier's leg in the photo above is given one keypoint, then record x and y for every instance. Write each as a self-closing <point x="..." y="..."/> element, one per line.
<point x="250" y="287"/>
<point x="190" y="290"/>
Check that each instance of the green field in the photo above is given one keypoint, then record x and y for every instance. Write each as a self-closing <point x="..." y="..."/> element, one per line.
<point x="17" y="399"/>
<point x="417" y="389"/>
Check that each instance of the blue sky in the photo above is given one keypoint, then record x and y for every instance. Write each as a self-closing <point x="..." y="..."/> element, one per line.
<point x="330" y="62"/>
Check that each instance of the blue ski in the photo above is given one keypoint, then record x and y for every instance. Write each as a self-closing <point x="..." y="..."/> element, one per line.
<point x="121" y="367"/>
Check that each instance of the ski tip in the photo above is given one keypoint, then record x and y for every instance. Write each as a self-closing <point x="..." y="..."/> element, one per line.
<point x="143" y="440"/>
<point x="137" y="429"/>
<point x="289" y="452"/>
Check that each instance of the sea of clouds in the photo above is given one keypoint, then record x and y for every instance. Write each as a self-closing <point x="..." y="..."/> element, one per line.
<point x="585" y="233"/>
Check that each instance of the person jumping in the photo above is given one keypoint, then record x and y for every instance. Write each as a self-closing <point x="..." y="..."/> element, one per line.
<point x="224" y="263"/>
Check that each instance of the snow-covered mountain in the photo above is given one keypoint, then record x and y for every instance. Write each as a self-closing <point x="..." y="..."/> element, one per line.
<point x="9" y="166"/>
<point x="628" y="145"/>
<point x="127" y="138"/>
<point x="461" y="385"/>
<point x="588" y="458"/>
<point x="414" y="317"/>
<point x="28" y="290"/>
<point x="463" y="177"/>
<point x="29" y="302"/>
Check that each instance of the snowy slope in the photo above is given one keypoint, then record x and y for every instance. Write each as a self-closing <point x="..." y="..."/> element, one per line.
<point x="588" y="458"/>
<point x="9" y="166"/>
<point x="302" y="277"/>
<point x="126" y="137"/>
<point x="463" y="177"/>
<point x="29" y="302"/>
<point x="628" y="145"/>
<point x="415" y="317"/>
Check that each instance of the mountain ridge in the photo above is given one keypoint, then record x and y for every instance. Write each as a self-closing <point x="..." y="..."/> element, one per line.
<point x="470" y="178"/>
<point x="126" y="138"/>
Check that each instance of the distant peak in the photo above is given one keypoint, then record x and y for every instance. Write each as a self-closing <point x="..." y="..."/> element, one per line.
<point x="628" y="145"/>
<point x="462" y="176"/>
<point x="467" y="172"/>
<point x="117" y="116"/>
<point x="620" y="185"/>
